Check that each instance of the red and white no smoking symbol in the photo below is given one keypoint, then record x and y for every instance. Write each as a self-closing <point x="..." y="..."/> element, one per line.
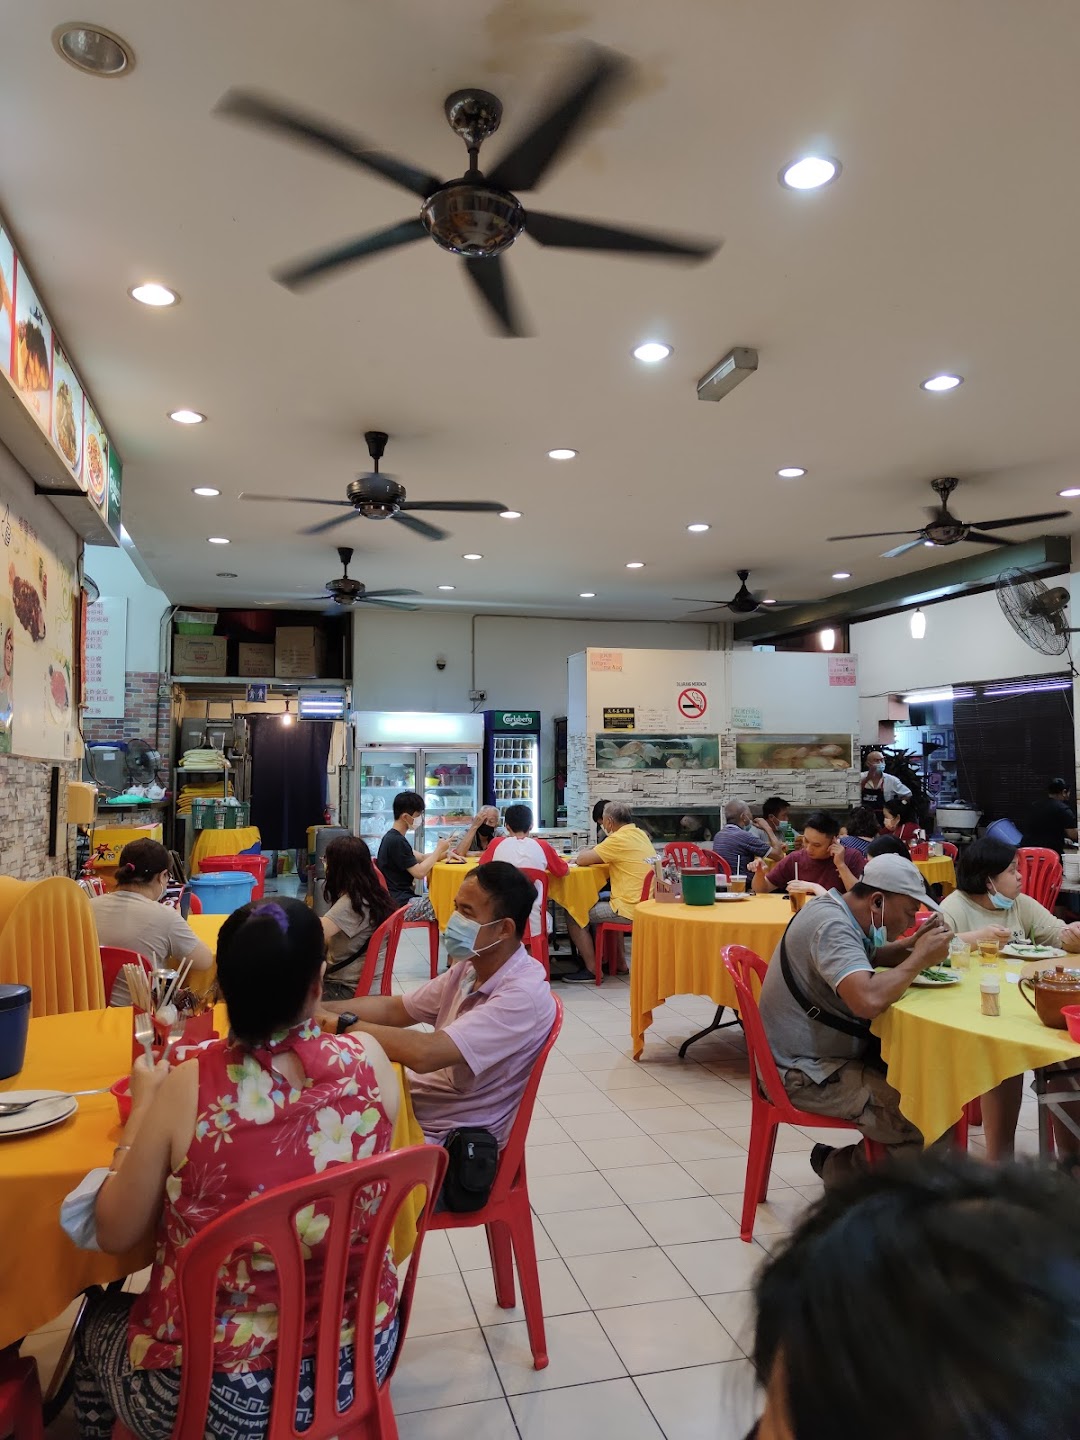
<point x="692" y="704"/>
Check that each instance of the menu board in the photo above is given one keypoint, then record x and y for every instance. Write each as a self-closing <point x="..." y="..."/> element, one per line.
<point x="67" y="413"/>
<point x="95" y="463"/>
<point x="7" y="291"/>
<point x="104" y="659"/>
<point x="32" y="371"/>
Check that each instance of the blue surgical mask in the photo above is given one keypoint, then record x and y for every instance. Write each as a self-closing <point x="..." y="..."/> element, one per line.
<point x="999" y="901"/>
<point x="879" y="935"/>
<point x="460" y="937"/>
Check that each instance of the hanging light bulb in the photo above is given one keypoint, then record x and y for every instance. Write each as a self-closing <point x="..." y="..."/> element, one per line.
<point x="827" y="637"/>
<point x="287" y="718"/>
<point x="918" y="624"/>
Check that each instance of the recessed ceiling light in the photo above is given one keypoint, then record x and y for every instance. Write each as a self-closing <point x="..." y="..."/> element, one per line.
<point x="809" y="173"/>
<point x="226" y="574"/>
<point x="929" y="544"/>
<point x="447" y="587"/>
<point x="217" y="540"/>
<point x="841" y="575"/>
<point x="92" y="50"/>
<point x="207" y="491"/>
<point x="472" y="557"/>
<point x="937" y="383"/>
<point x="509" y="514"/>
<point x="698" y="529"/>
<point x="1070" y="494"/>
<point x="651" y="351"/>
<point x="587" y="595"/>
<point x="158" y="297"/>
<point x="561" y="454"/>
<point x="186" y="417"/>
<point x="791" y="472"/>
<point x="635" y="565"/>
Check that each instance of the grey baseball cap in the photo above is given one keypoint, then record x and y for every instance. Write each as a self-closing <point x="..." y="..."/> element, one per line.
<point x="896" y="876"/>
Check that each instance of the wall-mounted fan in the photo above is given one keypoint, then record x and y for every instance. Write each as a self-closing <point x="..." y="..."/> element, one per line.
<point x="345" y="592"/>
<point x="142" y="762"/>
<point x="376" y="496"/>
<point x="1035" y="611"/>
<point x="744" y="602"/>
<point x="475" y="216"/>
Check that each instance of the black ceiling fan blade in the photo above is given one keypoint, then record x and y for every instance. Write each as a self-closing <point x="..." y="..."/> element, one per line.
<point x="525" y="163"/>
<point x="302" y="272"/>
<point x="489" y="277"/>
<point x="876" y="535"/>
<point x="564" y="230"/>
<point x="708" y="604"/>
<point x="898" y="550"/>
<point x="387" y="604"/>
<point x="421" y="527"/>
<point x="381" y="594"/>
<point x="298" y="125"/>
<point x="976" y="537"/>
<point x="1018" y="520"/>
<point x="292" y="499"/>
<point x="325" y="525"/>
<point x="481" y="507"/>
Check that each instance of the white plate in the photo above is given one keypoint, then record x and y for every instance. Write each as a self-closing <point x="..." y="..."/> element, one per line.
<point x="1033" y="952"/>
<point x="38" y="1117"/>
<point x="722" y="896"/>
<point x="923" y="982"/>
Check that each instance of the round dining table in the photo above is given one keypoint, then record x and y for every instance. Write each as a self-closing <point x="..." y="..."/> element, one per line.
<point x="942" y="1052"/>
<point x="938" y="870"/>
<point x="41" y="1269"/>
<point x="675" y="950"/>
<point x="576" y="891"/>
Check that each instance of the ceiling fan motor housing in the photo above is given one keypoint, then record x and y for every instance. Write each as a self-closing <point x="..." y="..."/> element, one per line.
<point x="473" y="219"/>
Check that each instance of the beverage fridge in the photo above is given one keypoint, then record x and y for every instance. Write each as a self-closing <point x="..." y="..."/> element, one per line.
<point x="512" y="759"/>
<point x="436" y="755"/>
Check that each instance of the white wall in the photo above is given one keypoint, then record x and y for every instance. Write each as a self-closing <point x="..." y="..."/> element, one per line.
<point x="114" y="574"/>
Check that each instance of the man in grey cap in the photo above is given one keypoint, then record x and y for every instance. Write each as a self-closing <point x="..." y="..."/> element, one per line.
<point x="839" y="965"/>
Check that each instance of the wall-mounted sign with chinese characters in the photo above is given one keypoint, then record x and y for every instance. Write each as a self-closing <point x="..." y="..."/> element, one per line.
<point x="842" y="669"/>
<point x="106" y="646"/>
<point x="746" y="717"/>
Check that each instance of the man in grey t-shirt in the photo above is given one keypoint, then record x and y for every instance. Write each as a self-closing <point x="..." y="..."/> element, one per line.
<point x="832" y="948"/>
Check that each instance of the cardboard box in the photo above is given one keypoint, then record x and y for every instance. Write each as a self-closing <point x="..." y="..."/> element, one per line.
<point x="299" y="650"/>
<point x="198" y="655"/>
<point x="255" y="660"/>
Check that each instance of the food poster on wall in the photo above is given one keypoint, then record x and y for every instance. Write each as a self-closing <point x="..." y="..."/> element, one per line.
<point x="793" y="752"/>
<point x="7" y="672"/>
<point x="32" y="370"/>
<point x="7" y="292"/>
<point x="67" y="413"/>
<point x="41" y="592"/>
<point x="95" y="466"/>
<point x="658" y="752"/>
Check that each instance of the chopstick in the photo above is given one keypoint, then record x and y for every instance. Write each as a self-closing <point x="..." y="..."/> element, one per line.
<point x="178" y="979"/>
<point x="138" y="987"/>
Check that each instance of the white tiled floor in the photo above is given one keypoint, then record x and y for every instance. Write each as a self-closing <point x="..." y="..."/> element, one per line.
<point x="636" y="1174"/>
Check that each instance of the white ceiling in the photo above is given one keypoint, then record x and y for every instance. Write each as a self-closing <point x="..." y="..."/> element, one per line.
<point x="948" y="243"/>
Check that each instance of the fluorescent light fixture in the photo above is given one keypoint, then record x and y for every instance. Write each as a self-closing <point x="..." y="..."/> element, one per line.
<point x="187" y="417"/>
<point x="928" y="697"/>
<point x="587" y="595"/>
<point x="650" y="351"/>
<point x="217" y="540"/>
<point x="447" y="587"/>
<point x="698" y="528"/>
<point x="841" y="575"/>
<point x="320" y="703"/>
<point x="768" y="602"/>
<point x="1071" y="493"/>
<point x="158" y="297"/>
<point x="472" y="556"/>
<point x="938" y="383"/>
<point x="827" y="638"/>
<point x="1028" y="687"/>
<point x="419" y="729"/>
<point x="736" y="365"/>
<point x="561" y="454"/>
<point x="809" y="173"/>
<point x="928" y="545"/>
<point x="509" y="514"/>
<point x="918" y="625"/>
<point x="791" y="472"/>
<point x="207" y="491"/>
<point x="635" y="565"/>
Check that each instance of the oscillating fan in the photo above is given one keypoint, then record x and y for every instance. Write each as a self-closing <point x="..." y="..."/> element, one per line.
<point x="141" y="762"/>
<point x="1035" y="611"/>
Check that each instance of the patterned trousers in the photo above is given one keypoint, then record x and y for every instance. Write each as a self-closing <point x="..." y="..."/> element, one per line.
<point x="146" y="1401"/>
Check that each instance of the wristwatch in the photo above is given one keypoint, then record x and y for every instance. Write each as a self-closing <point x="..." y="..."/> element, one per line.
<point x="344" y="1020"/>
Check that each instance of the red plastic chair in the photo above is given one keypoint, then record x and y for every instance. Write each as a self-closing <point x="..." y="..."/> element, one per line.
<point x="537" y="945"/>
<point x="270" y="1219"/>
<point x="195" y="906"/>
<point x="689" y="856"/>
<point x="769" y="1104"/>
<point x="20" y="1397"/>
<point x="113" y="960"/>
<point x="615" y="930"/>
<point x="430" y="926"/>
<point x="1040" y="874"/>
<point x="949" y="849"/>
<point x="386" y="939"/>
<point x="507" y="1217"/>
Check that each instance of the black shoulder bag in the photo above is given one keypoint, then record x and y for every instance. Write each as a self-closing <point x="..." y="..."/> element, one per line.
<point x="858" y="1029"/>
<point x="474" y="1159"/>
<point x="333" y="969"/>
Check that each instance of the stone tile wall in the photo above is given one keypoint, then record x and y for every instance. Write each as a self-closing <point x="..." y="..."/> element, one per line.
<point x="24" y="818"/>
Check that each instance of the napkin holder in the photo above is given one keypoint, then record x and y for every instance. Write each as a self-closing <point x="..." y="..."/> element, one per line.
<point x="665" y="893"/>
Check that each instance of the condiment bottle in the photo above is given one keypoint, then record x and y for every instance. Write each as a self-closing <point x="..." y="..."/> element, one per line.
<point x="990" y="995"/>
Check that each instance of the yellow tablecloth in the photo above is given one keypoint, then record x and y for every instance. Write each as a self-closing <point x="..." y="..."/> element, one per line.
<point x="676" y="951"/>
<point x="41" y="1271"/>
<point x="207" y="928"/>
<point x="939" y="870"/>
<point x="942" y="1052"/>
<point x="576" y="891"/>
<point x="222" y="842"/>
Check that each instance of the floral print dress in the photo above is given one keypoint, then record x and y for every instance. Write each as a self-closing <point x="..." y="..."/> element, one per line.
<point x="253" y="1132"/>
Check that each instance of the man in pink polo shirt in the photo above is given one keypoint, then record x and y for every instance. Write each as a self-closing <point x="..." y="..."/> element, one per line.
<point x="492" y="1011"/>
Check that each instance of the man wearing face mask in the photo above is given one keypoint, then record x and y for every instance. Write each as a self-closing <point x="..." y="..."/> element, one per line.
<point x="744" y="839"/>
<point x="840" y="964"/>
<point x="492" y="1011"/>
<point x="877" y="787"/>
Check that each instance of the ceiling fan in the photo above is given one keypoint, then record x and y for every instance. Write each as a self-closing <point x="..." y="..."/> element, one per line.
<point x="943" y="528"/>
<point x="743" y="602"/>
<point x="345" y="592"/>
<point x="380" y="497"/>
<point x="475" y="216"/>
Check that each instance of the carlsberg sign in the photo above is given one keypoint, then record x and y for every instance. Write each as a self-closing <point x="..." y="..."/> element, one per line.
<point x="517" y="719"/>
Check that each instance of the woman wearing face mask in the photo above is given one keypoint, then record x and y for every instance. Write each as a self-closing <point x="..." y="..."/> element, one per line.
<point x="132" y="919"/>
<point x="898" y="818"/>
<point x="987" y="904"/>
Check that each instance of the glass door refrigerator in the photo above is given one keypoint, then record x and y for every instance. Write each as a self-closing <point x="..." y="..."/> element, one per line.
<point x="437" y="755"/>
<point x="512" y="754"/>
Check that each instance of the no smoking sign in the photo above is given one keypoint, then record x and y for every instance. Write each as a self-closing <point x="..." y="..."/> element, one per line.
<point x="692" y="703"/>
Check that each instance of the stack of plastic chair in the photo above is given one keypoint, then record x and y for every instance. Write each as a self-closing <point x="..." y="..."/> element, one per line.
<point x="50" y="943"/>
